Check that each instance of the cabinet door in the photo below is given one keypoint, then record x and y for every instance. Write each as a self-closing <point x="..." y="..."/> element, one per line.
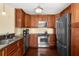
<point x="3" y="52"/>
<point x="34" y="21"/>
<point x="52" y="40"/>
<point x="14" y="54"/>
<point x="33" y="42"/>
<point x="23" y="19"/>
<point x="11" y="49"/>
<point x="20" y="45"/>
<point x="75" y="12"/>
<point x="27" y="21"/>
<point x="75" y="41"/>
<point x="19" y="18"/>
<point x="0" y="52"/>
<point x="51" y="21"/>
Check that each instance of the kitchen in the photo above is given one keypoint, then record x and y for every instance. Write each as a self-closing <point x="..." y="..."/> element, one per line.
<point x="25" y="31"/>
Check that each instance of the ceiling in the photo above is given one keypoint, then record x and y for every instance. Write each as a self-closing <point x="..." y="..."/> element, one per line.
<point x="49" y="8"/>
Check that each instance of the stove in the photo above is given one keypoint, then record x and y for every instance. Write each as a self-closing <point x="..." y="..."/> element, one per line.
<point x="43" y="41"/>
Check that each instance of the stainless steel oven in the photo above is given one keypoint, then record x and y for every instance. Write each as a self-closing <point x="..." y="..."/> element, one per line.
<point x="43" y="41"/>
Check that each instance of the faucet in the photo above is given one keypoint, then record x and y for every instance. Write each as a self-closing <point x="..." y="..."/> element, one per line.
<point x="6" y="35"/>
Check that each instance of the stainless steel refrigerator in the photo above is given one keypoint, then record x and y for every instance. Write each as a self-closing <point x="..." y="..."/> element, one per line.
<point x="63" y="34"/>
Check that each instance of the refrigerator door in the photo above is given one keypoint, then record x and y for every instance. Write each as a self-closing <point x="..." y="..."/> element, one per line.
<point x="58" y="33"/>
<point x="63" y="34"/>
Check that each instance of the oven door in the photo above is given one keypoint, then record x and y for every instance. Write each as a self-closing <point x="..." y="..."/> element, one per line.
<point x="42" y="41"/>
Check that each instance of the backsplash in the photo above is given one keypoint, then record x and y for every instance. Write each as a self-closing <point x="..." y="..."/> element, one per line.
<point x="41" y="30"/>
<point x="19" y="31"/>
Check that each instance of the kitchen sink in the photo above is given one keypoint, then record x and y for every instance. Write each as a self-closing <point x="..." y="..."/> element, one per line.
<point x="5" y="41"/>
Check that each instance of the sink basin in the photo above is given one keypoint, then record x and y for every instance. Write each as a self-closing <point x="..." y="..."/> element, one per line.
<point x="2" y="42"/>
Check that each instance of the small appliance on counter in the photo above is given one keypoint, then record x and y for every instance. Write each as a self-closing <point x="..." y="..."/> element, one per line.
<point x="26" y="38"/>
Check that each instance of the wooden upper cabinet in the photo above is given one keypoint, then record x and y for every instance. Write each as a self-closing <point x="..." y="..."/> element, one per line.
<point x="34" y="21"/>
<point x="27" y="20"/>
<point x="49" y="18"/>
<point x="20" y="16"/>
<point x="75" y="12"/>
<point x="51" y="21"/>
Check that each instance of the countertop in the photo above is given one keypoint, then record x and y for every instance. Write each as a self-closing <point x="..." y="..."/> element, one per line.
<point x="14" y="40"/>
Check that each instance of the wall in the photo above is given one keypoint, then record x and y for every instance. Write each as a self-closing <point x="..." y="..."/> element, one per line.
<point x="7" y="22"/>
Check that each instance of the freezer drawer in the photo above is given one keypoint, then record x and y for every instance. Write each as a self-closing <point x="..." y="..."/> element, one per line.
<point x="62" y="49"/>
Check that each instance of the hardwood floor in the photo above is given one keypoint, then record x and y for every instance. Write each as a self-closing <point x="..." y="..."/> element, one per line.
<point x="42" y="52"/>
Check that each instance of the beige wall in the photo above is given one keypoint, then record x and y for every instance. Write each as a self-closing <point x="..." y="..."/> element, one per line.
<point x="7" y="22"/>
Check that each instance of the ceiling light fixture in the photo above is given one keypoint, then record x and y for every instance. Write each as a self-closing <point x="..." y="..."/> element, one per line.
<point x="39" y="9"/>
<point x="3" y="12"/>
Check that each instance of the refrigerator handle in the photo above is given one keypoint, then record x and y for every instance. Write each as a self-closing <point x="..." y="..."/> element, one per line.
<point x="56" y="29"/>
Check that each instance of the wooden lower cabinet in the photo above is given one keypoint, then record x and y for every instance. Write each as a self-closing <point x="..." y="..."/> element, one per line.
<point x="14" y="49"/>
<point x="75" y="41"/>
<point x="3" y="52"/>
<point x="0" y="52"/>
<point x="52" y="40"/>
<point x="33" y="42"/>
<point x="20" y="47"/>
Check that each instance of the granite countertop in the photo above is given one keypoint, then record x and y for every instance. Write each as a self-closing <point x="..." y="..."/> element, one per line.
<point x="14" y="40"/>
